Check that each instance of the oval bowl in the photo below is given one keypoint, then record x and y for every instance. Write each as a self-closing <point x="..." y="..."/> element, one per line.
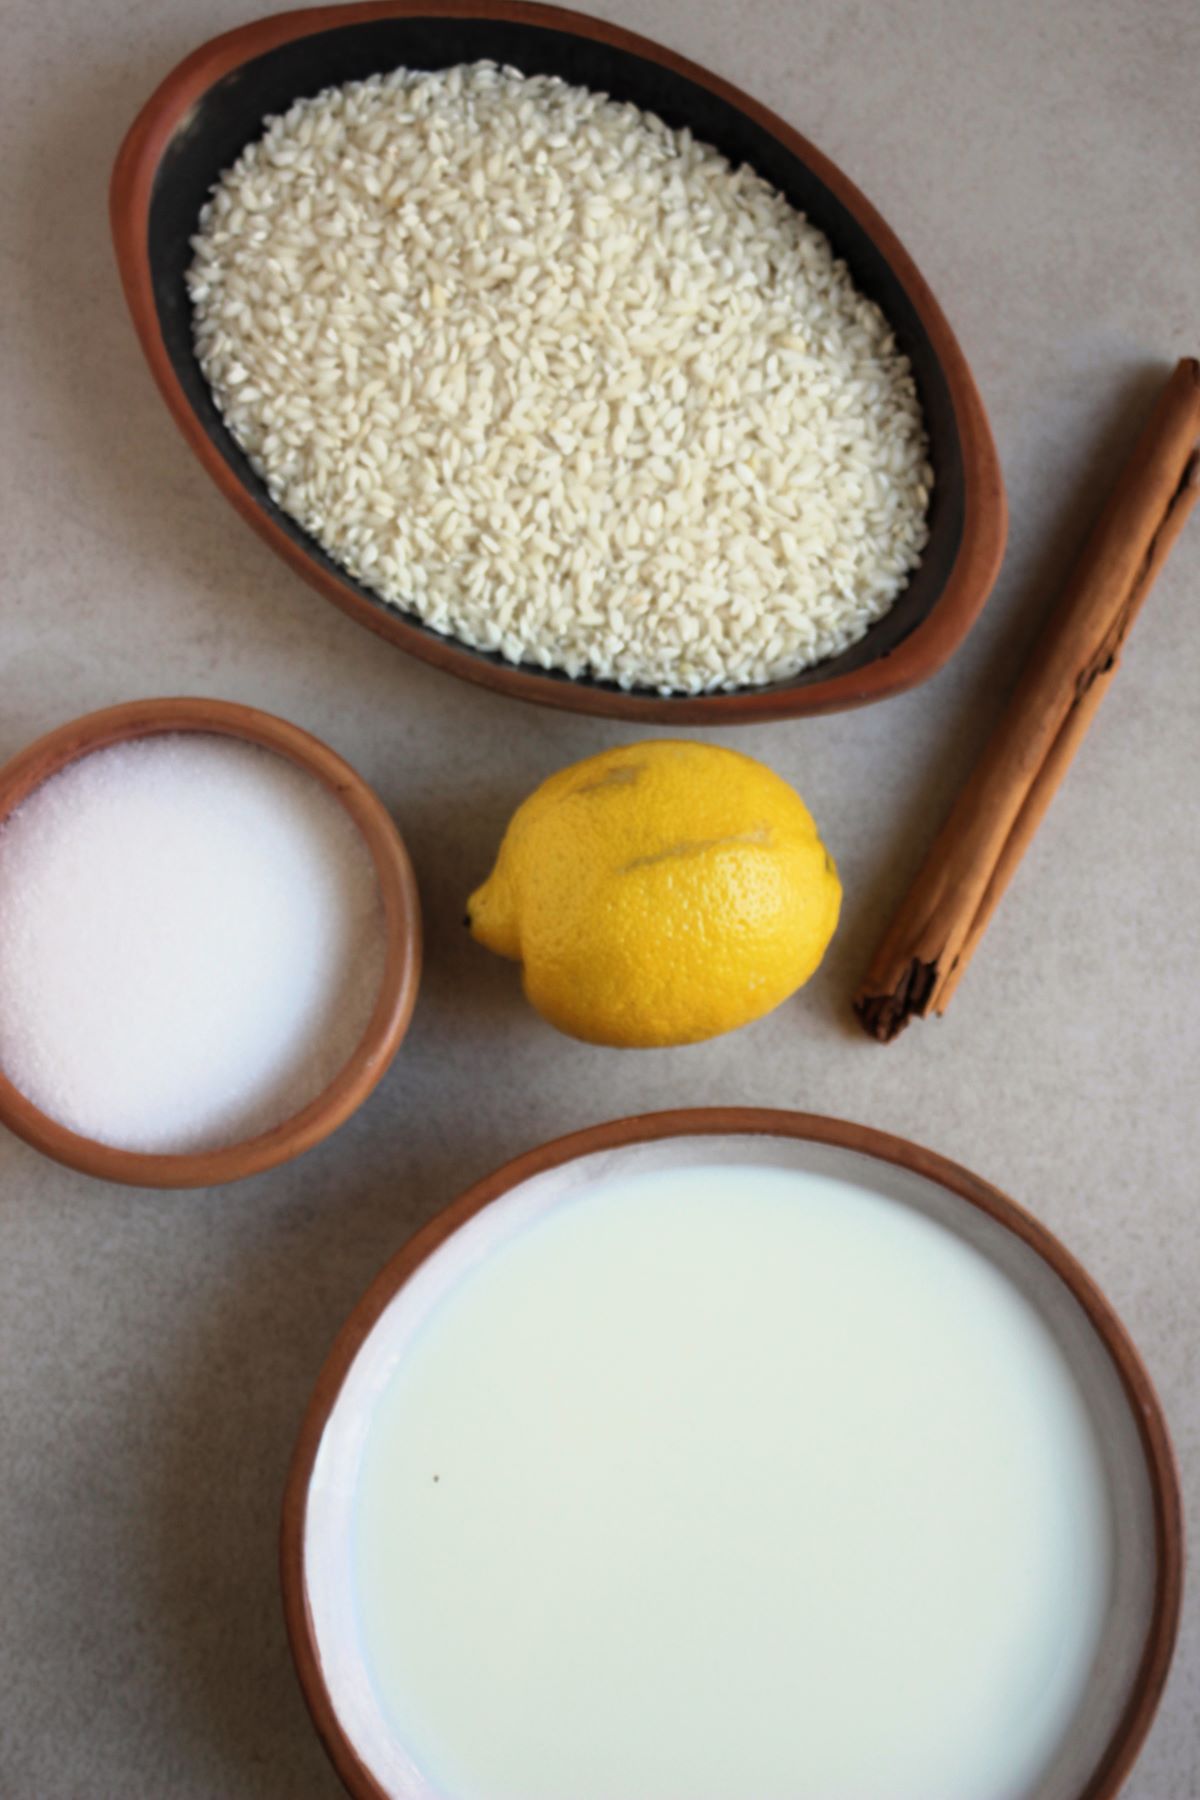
<point x="1141" y="1621"/>
<point x="213" y="104"/>
<point x="402" y="961"/>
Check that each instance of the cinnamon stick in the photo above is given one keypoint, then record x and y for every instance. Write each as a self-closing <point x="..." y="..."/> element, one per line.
<point x="937" y="928"/>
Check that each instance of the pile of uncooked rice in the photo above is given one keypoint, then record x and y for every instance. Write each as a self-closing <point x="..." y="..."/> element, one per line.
<point x="560" y="380"/>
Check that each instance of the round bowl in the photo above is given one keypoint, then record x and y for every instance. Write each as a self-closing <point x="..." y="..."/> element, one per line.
<point x="1141" y="1615"/>
<point x="213" y="104"/>
<point x="402" y="923"/>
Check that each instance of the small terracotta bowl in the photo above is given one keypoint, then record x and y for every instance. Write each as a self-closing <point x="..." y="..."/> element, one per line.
<point x="402" y="923"/>
<point x="214" y="103"/>
<point x="1140" y="1622"/>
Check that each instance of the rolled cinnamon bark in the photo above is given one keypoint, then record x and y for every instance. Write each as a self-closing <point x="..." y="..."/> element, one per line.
<point x="925" y="950"/>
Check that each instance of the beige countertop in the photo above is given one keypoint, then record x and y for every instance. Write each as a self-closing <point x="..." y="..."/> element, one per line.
<point x="1042" y="163"/>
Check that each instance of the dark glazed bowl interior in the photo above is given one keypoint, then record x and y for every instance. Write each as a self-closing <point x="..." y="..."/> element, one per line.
<point x="229" y="113"/>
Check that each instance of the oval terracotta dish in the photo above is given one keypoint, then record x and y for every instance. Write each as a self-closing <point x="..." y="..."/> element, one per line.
<point x="1139" y="1617"/>
<point x="213" y="104"/>
<point x="402" y="923"/>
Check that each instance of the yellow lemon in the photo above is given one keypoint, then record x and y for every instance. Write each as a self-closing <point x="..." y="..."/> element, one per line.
<point x="660" y="894"/>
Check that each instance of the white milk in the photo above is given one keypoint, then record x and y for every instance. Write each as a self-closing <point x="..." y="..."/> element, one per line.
<point x="730" y="1484"/>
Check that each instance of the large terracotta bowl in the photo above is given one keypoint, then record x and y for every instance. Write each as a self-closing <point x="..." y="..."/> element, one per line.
<point x="213" y="104"/>
<point x="1138" y="1632"/>
<point x="385" y="1028"/>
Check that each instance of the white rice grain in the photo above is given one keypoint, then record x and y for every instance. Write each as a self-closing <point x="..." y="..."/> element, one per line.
<point x="561" y="381"/>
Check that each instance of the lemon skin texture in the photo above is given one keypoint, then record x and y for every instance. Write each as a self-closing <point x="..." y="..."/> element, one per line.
<point x="661" y="893"/>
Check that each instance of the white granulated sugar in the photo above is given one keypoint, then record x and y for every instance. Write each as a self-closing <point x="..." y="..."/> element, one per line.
<point x="560" y="381"/>
<point x="191" y="942"/>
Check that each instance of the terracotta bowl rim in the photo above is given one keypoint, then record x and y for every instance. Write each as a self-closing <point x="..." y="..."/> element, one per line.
<point x="47" y="755"/>
<point x="917" y="656"/>
<point x="1131" y="1728"/>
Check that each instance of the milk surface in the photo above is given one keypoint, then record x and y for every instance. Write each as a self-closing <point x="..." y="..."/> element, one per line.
<point x="731" y="1484"/>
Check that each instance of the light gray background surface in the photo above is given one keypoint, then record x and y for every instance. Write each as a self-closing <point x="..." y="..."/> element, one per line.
<point x="1042" y="163"/>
